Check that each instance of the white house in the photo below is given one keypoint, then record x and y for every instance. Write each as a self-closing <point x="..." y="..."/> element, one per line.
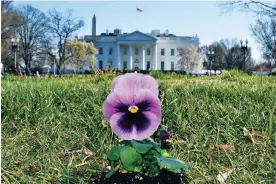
<point x="137" y="50"/>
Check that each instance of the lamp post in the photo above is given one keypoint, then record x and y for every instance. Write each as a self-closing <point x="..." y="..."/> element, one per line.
<point x="211" y="55"/>
<point x="54" y="51"/>
<point x="15" y="47"/>
<point x="244" y="49"/>
<point x="274" y="48"/>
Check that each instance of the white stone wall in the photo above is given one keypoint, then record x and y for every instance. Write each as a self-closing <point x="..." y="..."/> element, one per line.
<point x="169" y="43"/>
<point x="105" y="57"/>
<point x="166" y="43"/>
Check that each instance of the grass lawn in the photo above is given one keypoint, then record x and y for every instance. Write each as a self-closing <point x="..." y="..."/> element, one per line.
<point x="51" y="126"/>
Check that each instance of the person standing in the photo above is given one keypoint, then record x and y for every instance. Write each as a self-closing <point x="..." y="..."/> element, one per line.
<point x="37" y="74"/>
<point x="19" y="73"/>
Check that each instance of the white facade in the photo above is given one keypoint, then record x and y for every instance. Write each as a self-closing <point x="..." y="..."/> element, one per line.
<point x="137" y="50"/>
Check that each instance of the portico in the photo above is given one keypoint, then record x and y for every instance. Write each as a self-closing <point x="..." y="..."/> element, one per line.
<point x="136" y="51"/>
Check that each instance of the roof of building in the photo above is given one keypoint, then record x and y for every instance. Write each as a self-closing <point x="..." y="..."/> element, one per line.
<point x="109" y="34"/>
<point x="166" y="35"/>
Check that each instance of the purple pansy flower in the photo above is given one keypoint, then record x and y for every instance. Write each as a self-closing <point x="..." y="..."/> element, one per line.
<point x="133" y="108"/>
<point x="164" y="135"/>
<point x="133" y="82"/>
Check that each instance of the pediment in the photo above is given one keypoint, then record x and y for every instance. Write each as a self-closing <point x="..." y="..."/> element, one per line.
<point x="136" y="36"/>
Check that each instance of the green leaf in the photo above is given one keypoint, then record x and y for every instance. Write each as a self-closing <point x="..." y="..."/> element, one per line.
<point x="114" y="153"/>
<point x="141" y="147"/>
<point x="153" y="169"/>
<point x="164" y="153"/>
<point x="130" y="158"/>
<point x="138" y="168"/>
<point x="125" y="142"/>
<point x="110" y="173"/>
<point x="170" y="164"/>
<point x="157" y="148"/>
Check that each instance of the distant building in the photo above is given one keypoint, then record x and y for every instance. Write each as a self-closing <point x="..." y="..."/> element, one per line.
<point x="137" y="50"/>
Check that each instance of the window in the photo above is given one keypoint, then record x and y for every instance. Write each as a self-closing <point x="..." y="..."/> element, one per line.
<point x="101" y="65"/>
<point x="172" y="66"/>
<point x="148" y="65"/>
<point x="205" y="64"/>
<point x="148" y="51"/>
<point x="110" y="51"/>
<point x="125" y="65"/>
<point x="125" y="51"/>
<point x="162" y="52"/>
<point x="101" y="51"/>
<point x="172" y="52"/>
<point x="136" y="68"/>
<point x="136" y="51"/>
<point x="162" y="65"/>
<point x="109" y="64"/>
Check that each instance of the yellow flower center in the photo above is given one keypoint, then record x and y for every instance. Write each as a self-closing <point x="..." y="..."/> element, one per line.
<point x="133" y="109"/>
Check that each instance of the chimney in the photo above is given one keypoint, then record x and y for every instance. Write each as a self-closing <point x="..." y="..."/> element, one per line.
<point x="167" y="32"/>
<point x="117" y="31"/>
<point x="107" y="32"/>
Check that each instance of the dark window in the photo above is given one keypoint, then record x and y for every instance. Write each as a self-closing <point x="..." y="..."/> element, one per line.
<point x="162" y="65"/>
<point x="148" y="51"/>
<point x="101" y="51"/>
<point x="125" y="51"/>
<point x="148" y="65"/>
<point x="205" y="64"/>
<point x="136" y="68"/>
<point x="162" y="52"/>
<point x="172" y="66"/>
<point x="101" y="65"/>
<point x="125" y="65"/>
<point x="110" y="51"/>
<point x="136" y="51"/>
<point x="172" y="52"/>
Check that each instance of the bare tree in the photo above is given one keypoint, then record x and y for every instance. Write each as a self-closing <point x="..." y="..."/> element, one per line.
<point x="63" y="26"/>
<point x="256" y="6"/>
<point x="189" y="58"/>
<point x="227" y="55"/>
<point x="10" y="21"/>
<point x="32" y="33"/>
<point x="264" y="31"/>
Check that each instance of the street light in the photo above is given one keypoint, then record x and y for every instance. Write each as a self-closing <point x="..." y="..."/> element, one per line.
<point x="211" y="55"/>
<point x="15" y="47"/>
<point x="244" y="49"/>
<point x="54" y="51"/>
<point x="274" y="46"/>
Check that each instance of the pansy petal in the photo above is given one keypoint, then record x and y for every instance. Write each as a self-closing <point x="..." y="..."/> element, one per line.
<point x="150" y="83"/>
<point x="135" y="81"/>
<point x="143" y="133"/>
<point x="116" y="102"/>
<point x="116" y="125"/>
<point x="146" y="101"/>
<point x="115" y="82"/>
<point x="140" y="128"/>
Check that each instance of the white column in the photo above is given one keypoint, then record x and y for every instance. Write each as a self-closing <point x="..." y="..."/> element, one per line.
<point x="143" y="57"/>
<point x="130" y="57"/>
<point x="155" y="57"/>
<point x="118" y="56"/>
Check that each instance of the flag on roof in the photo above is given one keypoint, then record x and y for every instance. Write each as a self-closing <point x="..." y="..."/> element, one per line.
<point x="139" y="10"/>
